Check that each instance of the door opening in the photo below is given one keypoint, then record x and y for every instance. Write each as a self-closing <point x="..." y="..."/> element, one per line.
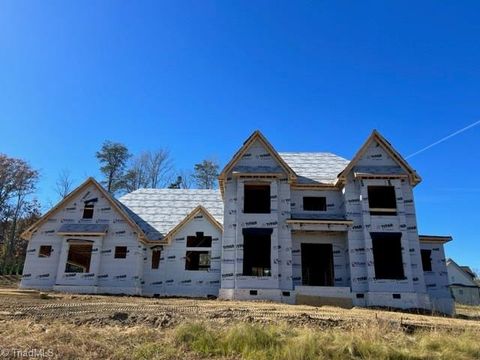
<point x="317" y="264"/>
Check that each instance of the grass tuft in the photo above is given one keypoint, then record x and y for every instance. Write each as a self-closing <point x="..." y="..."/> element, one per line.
<point x="238" y="340"/>
<point x="247" y="341"/>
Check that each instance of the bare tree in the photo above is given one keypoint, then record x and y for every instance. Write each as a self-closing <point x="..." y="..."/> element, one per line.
<point x="64" y="183"/>
<point x="136" y="176"/>
<point x="159" y="168"/>
<point x="149" y="170"/>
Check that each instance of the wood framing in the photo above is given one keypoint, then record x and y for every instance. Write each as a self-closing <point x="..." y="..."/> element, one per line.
<point x="322" y="222"/>
<point x="379" y="176"/>
<point x="27" y="234"/>
<point x="377" y="137"/>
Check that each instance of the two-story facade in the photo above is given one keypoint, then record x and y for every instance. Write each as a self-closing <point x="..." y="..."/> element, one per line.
<point x="310" y="228"/>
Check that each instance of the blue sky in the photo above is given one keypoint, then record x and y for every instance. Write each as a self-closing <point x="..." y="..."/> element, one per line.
<point x="197" y="77"/>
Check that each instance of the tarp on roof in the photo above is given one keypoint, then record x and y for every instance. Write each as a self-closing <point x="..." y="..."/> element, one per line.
<point x="158" y="211"/>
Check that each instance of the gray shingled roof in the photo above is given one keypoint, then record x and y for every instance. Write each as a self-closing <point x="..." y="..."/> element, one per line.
<point x="157" y="211"/>
<point x="313" y="168"/>
<point x="83" y="228"/>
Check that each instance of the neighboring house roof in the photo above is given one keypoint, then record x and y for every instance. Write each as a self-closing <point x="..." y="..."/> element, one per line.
<point x="468" y="271"/>
<point x="27" y="234"/>
<point x="377" y="137"/>
<point x="159" y="211"/>
<point x="315" y="167"/>
<point x="470" y="275"/>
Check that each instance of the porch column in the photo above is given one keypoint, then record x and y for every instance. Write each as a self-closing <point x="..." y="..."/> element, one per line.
<point x="62" y="261"/>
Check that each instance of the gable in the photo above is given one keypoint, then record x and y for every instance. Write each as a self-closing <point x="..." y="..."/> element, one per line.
<point x="198" y="215"/>
<point x="377" y="157"/>
<point x="256" y="155"/>
<point x="457" y="276"/>
<point x="67" y="215"/>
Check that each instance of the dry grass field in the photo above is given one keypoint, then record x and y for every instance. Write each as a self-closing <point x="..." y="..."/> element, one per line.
<point x="64" y="326"/>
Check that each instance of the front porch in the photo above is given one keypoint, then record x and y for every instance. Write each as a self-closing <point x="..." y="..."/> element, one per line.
<point x="320" y="259"/>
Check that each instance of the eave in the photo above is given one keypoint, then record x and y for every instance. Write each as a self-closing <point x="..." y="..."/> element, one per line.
<point x="434" y="239"/>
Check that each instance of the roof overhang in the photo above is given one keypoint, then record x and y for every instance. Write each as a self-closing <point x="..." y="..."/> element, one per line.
<point x="319" y="225"/>
<point x="83" y="230"/>
<point x="257" y="175"/>
<point x="360" y="175"/>
<point x="434" y="239"/>
<point x="314" y="186"/>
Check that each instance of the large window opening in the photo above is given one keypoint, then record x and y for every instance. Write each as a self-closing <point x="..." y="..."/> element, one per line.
<point x="315" y="203"/>
<point x="256" y="199"/>
<point x="197" y="260"/>
<point x="317" y="264"/>
<point x="79" y="257"/>
<point x="257" y="252"/>
<point x="382" y="200"/>
<point x="426" y="260"/>
<point x="156" y="253"/>
<point x="387" y="255"/>
<point x="199" y="240"/>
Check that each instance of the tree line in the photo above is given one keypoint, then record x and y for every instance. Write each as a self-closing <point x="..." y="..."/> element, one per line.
<point x="149" y="169"/>
<point x="18" y="181"/>
<point x="122" y="172"/>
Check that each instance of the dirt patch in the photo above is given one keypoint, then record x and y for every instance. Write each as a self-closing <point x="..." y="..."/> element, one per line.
<point x="129" y="311"/>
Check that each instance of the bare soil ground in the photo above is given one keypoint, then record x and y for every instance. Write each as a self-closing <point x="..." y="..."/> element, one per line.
<point x="164" y="312"/>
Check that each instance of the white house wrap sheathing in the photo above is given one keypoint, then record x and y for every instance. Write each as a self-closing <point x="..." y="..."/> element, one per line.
<point x="106" y="274"/>
<point x="164" y="209"/>
<point x="159" y="221"/>
<point x="412" y="289"/>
